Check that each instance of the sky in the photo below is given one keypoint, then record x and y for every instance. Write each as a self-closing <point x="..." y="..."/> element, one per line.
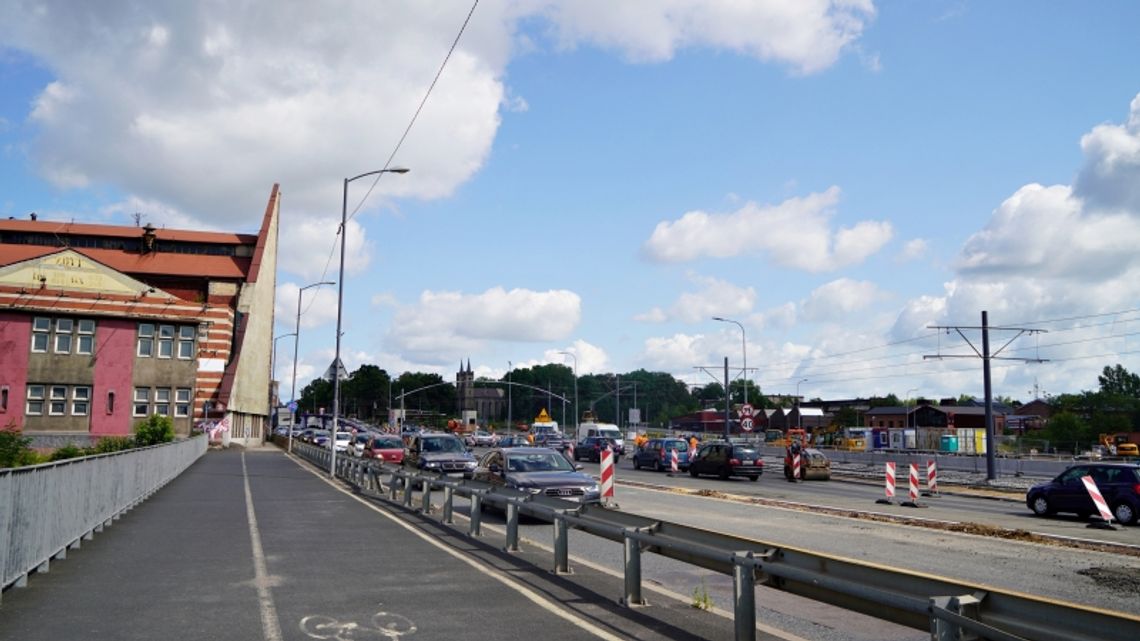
<point x="838" y="177"/>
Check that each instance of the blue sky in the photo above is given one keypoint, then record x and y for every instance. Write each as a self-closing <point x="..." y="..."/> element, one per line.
<point x="603" y="178"/>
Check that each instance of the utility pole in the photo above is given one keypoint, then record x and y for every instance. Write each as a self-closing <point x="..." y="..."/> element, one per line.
<point x="727" y="400"/>
<point x="986" y="357"/>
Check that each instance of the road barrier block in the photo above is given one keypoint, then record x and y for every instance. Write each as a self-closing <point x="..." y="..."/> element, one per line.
<point x="889" y="499"/>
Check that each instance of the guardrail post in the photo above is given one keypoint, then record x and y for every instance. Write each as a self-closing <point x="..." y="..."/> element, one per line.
<point x="512" y="527"/>
<point x="561" y="545"/>
<point x="474" y="529"/>
<point x="408" y="492"/>
<point x="946" y="630"/>
<point x="425" y="497"/>
<point x="744" y="595"/>
<point x="632" y="570"/>
<point x="393" y="484"/>
<point x="448" y="495"/>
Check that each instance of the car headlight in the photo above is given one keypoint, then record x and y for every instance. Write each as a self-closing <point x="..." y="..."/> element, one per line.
<point x="431" y="465"/>
<point x="592" y="489"/>
<point x="532" y="490"/>
<point x="470" y="465"/>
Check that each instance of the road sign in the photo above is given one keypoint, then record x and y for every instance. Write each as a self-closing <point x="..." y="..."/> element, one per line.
<point x="293" y="406"/>
<point x="746" y="424"/>
<point x="746" y="410"/>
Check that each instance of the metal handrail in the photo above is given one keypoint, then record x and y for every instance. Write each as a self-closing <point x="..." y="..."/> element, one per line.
<point x="947" y="608"/>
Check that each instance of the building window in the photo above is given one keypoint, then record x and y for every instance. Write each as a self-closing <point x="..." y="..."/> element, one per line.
<point x="146" y="339"/>
<point x="186" y="342"/>
<point x="86" y="342"/>
<point x="41" y="327"/>
<point x="4" y="399"/>
<point x="110" y="402"/>
<point x="35" y="400"/>
<point x="162" y="401"/>
<point x="58" y="404"/>
<point x="165" y="341"/>
<point x="63" y="329"/>
<point x="80" y="400"/>
<point x="182" y="402"/>
<point x="142" y="401"/>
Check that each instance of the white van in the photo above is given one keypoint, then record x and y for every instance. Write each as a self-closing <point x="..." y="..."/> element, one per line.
<point x="608" y="430"/>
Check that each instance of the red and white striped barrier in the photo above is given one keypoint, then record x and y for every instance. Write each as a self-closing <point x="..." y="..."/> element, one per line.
<point x="674" y="464"/>
<point x="913" y="494"/>
<point x="890" y="484"/>
<point x="1098" y="500"/>
<point x="796" y="467"/>
<point x="931" y="477"/>
<point x="607" y="474"/>
<point x="570" y="450"/>
<point x="692" y="454"/>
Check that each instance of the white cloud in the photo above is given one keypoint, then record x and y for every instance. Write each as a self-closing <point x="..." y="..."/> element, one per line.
<point x="808" y="35"/>
<point x="591" y="359"/>
<point x="1108" y="179"/>
<point x="796" y="233"/>
<point x="204" y="106"/>
<point x="714" y="298"/>
<point x="655" y="315"/>
<point x="839" y="299"/>
<point x="914" y="249"/>
<point x="443" y="326"/>
<point x="680" y="352"/>
<point x="318" y="305"/>
<point x="310" y="248"/>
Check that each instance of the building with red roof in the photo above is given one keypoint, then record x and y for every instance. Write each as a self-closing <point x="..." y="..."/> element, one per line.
<point x="104" y="325"/>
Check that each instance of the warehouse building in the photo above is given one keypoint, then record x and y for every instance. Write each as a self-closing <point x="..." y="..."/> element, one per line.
<point x="104" y="325"/>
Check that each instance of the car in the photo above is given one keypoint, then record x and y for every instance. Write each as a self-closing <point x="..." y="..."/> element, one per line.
<point x="387" y="448"/>
<point x="359" y="441"/>
<point x="656" y="453"/>
<point x="319" y="437"/>
<point x="726" y="459"/>
<point x="1119" y="484"/>
<point x="343" y="440"/>
<point x="479" y="438"/>
<point x="590" y="449"/>
<point x="537" y="470"/>
<point x="513" y="440"/>
<point x="438" y="452"/>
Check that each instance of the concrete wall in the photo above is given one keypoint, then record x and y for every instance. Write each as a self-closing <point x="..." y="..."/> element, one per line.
<point x="114" y="368"/>
<point x="15" y="347"/>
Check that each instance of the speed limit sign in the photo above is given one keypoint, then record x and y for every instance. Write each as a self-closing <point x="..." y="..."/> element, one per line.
<point x="746" y="424"/>
<point x="746" y="410"/>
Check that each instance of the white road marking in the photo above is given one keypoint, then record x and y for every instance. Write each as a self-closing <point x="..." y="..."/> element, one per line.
<point x="544" y="603"/>
<point x="270" y="626"/>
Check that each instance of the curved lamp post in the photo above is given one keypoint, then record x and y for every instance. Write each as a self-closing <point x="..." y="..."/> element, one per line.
<point x="743" y="348"/>
<point x="799" y="412"/>
<point x="577" y="412"/>
<point x="340" y="304"/>
<point x="296" y="342"/>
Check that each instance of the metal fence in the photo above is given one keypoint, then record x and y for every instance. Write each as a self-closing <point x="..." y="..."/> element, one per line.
<point x="46" y="510"/>
<point x="950" y="610"/>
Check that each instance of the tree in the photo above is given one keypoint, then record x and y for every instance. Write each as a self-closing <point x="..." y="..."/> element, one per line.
<point x="14" y="447"/>
<point x="153" y="430"/>
<point x="1117" y="381"/>
<point x="1067" y="430"/>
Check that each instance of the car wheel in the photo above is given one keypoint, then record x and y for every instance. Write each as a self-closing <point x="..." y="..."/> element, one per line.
<point x="1040" y="505"/>
<point x="1125" y="513"/>
<point x="754" y="477"/>
<point x="693" y="472"/>
<point x="657" y="467"/>
<point x="723" y="474"/>
<point x="636" y="463"/>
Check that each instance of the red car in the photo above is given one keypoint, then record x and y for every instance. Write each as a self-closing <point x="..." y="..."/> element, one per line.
<point x="386" y="448"/>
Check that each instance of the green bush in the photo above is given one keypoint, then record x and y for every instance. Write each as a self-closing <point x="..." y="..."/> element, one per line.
<point x="153" y="430"/>
<point x="66" y="452"/>
<point x="14" y="450"/>
<point x="109" y="444"/>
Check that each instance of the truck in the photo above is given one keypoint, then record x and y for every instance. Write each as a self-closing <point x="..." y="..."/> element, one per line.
<point x="544" y="432"/>
<point x="608" y="430"/>
<point x="1121" y="443"/>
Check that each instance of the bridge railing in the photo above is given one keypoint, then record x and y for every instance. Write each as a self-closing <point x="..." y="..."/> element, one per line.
<point x="48" y="509"/>
<point x="947" y="609"/>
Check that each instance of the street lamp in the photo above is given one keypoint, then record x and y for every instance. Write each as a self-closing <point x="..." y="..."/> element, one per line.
<point x="799" y="411"/>
<point x="296" y="342"/>
<point x="510" y="418"/>
<point x="273" y="361"/>
<point x="743" y="348"/>
<point x="907" y="401"/>
<point x="577" y="412"/>
<point x="340" y="304"/>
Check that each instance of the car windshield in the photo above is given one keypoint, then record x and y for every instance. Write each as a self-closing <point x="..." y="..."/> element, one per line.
<point x="743" y="452"/>
<point x="387" y="444"/>
<point x="442" y="445"/>
<point x="538" y="462"/>
<point x="675" y="444"/>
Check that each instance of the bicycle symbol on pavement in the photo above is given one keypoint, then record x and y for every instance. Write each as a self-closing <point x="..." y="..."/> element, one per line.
<point x="385" y="625"/>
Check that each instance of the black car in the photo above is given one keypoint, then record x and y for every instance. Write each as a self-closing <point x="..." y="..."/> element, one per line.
<point x="1119" y="484"/>
<point x="590" y="449"/>
<point x="727" y="459"/>
<point x="537" y="470"/>
<point x="440" y="453"/>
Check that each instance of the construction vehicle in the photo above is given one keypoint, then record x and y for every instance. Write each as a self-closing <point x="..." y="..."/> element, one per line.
<point x="1121" y="443"/>
<point x="814" y="464"/>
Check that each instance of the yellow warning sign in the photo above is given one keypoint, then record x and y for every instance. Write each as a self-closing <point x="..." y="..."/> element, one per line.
<point x="543" y="417"/>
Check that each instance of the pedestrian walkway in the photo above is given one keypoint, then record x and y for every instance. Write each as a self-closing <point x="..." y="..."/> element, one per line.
<point x="255" y="545"/>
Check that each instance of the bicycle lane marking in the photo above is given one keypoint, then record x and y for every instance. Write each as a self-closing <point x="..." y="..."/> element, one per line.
<point x="270" y="625"/>
<point x="526" y="592"/>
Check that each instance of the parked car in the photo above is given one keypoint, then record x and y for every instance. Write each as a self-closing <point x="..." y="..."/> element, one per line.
<point x="388" y="448"/>
<point x="343" y="440"/>
<point x="1119" y="484"/>
<point x="440" y="453"/>
<point x="727" y="459"/>
<point x="656" y="453"/>
<point x="590" y="449"/>
<point x="537" y="470"/>
<point x="480" y="438"/>
<point x="319" y="438"/>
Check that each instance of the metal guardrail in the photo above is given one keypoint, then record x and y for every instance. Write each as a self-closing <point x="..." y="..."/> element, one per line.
<point x="950" y="610"/>
<point x="48" y="509"/>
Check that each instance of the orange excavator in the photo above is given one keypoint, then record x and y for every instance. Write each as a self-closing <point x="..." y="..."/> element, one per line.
<point x="814" y="465"/>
